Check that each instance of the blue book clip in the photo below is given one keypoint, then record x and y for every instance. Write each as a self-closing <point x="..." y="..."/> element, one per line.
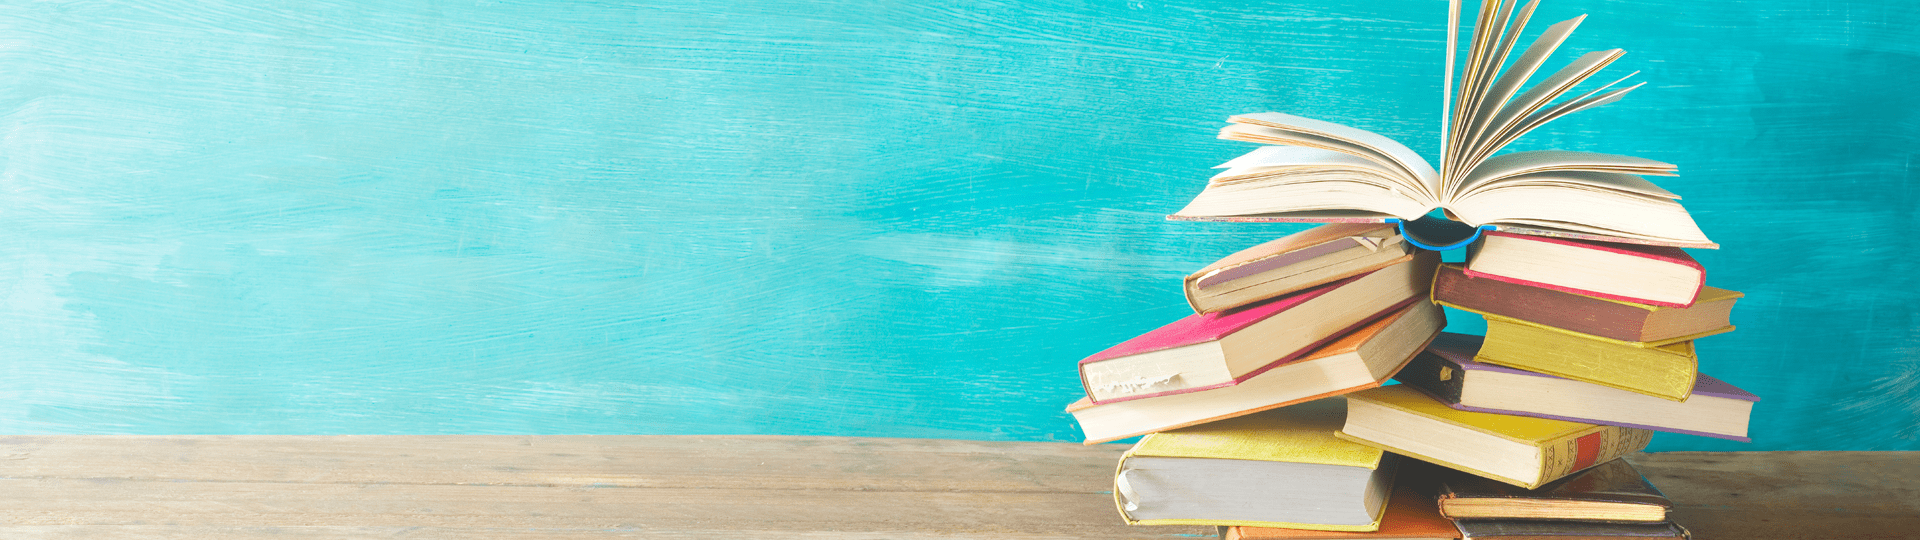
<point x="1435" y="233"/>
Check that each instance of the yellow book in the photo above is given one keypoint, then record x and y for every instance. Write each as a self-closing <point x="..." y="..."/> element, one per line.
<point x="1663" y="369"/>
<point x="1278" y="468"/>
<point x="1518" y="450"/>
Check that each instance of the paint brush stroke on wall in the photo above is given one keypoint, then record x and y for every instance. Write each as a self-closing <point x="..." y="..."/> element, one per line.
<point x="898" y="219"/>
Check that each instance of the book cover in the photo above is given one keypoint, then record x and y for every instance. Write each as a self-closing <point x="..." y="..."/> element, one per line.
<point x="1301" y="434"/>
<point x="1664" y="369"/>
<point x="1295" y="262"/>
<point x="1445" y="367"/>
<point x="1409" y="515"/>
<point x="1359" y="360"/>
<point x="1564" y="447"/>
<point x="1490" y="249"/>
<point x="1612" y="319"/>
<point x="1612" y="491"/>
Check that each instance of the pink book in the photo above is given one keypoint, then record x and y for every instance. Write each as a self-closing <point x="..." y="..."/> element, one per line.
<point x="1213" y="350"/>
<point x="1652" y="275"/>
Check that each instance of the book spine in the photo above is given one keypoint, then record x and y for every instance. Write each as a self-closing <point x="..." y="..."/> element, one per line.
<point x="1578" y="452"/>
<point x="1579" y="313"/>
<point x="1438" y="377"/>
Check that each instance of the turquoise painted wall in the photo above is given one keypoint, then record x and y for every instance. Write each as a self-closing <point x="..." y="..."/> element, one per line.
<point x="902" y="219"/>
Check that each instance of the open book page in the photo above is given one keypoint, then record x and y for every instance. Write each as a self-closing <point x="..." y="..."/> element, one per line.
<point x="1510" y="81"/>
<point x="1472" y="78"/>
<point x="1301" y="192"/>
<point x="1279" y="160"/>
<point x="1535" y="98"/>
<point x="1542" y="161"/>
<point x="1308" y="216"/>
<point x="1417" y="168"/>
<point x="1537" y="119"/>
<point x="1581" y="180"/>
<point x="1265" y="135"/>
<point x="1597" y="211"/>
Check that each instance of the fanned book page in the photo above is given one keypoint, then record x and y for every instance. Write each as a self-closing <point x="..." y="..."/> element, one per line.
<point x="1318" y="171"/>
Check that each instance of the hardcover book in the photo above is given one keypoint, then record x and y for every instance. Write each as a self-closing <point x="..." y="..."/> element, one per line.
<point x="1611" y="319"/>
<point x="1214" y="350"/>
<point x="1297" y="261"/>
<point x="1523" y="451"/>
<point x="1447" y="371"/>
<point x="1278" y="468"/>
<point x="1319" y="171"/>
<point x="1652" y="275"/>
<point x="1410" y="515"/>
<point x="1360" y="360"/>
<point x="1501" y="529"/>
<point x="1665" y="369"/>
<point x="1613" y="491"/>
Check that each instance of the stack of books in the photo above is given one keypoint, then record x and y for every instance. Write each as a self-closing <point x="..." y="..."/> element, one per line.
<point x="1268" y="412"/>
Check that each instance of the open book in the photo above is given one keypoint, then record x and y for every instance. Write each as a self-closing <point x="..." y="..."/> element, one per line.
<point x="1319" y="171"/>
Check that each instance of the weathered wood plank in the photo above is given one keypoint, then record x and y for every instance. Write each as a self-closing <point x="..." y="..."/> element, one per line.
<point x="742" y="487"/>
<point x="638" y="461"/>
<point x="431" y="487"/>
<point x="1790" y="495"/>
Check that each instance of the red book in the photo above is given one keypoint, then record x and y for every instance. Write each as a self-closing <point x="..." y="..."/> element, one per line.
<point x="1214" y="350"/>
<point x="1651" y="275"/>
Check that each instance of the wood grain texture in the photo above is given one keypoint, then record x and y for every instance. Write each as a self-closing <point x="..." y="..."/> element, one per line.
<point x="432" y="487"/>
<point x="1790" y="495"/>
<point x="569" y="486"/>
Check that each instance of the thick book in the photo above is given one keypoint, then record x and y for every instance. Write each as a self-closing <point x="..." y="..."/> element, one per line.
<point x="1318" y="171"/>
<point x="1653" y="275"/>
<point x="1448" y="372"/>
<point x="1360" y="360"/>
<point x="1666" y="369"/>
<point x="1297" y="261"/>
<point x="1214" y="350"/>
<point x="1612" y="492"/>
<point x="1278" y="468"/>
<point x="1504" y="529"/>
<point x="1611" y="319"/>
<point x="1410" y="515"/>
<point x="1523" y="451"/>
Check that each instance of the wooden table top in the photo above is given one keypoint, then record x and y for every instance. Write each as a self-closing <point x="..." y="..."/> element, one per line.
<point x="218" y="487"/>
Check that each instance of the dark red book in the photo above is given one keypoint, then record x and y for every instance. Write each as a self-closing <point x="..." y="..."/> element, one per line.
<point x="1711" y="308"/>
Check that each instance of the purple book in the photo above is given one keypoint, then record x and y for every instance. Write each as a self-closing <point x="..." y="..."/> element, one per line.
<point x="1447" y="371"/>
